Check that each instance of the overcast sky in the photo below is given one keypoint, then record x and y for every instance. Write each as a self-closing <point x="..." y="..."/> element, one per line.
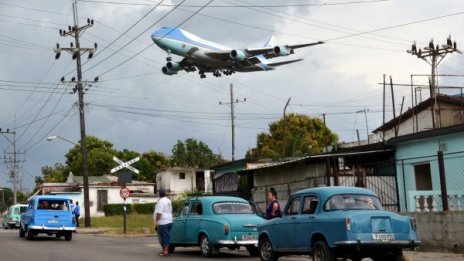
<point x="136" y="107"/>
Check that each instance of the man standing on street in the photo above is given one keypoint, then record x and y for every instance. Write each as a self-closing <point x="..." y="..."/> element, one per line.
<point x="163" y="221"/>
<point x="77" y="213"/>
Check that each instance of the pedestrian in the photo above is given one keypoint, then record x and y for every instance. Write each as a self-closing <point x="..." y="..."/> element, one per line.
<point x="77" y="213"/>
<point x="163" y="221"/>
<point x="273" y="208"/>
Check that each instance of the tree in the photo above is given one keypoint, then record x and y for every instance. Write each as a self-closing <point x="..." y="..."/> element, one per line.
<point x="193" y="153"/>
<point x="6" y="198"/>
<point x="303" y="135"/>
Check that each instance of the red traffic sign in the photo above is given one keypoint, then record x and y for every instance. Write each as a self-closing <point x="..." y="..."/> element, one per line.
<point x="124" y="193"/>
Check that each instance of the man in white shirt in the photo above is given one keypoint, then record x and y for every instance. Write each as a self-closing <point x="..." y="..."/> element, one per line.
<point x="163" y="220"/>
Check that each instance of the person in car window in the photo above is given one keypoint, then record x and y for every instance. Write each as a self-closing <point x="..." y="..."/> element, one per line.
<point x="273" y="208"/>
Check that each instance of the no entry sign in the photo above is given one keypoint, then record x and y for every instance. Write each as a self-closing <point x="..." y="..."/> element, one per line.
<point x="124" y="193"/>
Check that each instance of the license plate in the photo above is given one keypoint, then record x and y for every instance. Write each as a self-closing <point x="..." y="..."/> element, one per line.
<point x="52" y="221"/>
<point x="248" y="237"/>
<point x="383" y="236"/>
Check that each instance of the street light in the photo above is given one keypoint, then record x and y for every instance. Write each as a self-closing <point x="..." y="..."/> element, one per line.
<point x="367" y="126"/>
<point x="84" y="175"/>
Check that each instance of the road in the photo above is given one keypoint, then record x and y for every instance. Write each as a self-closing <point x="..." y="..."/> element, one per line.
<point x="117" y="248"/>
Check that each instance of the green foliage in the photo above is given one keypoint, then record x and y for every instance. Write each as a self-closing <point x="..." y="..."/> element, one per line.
<point x="303" y="136"/>
<point x="55" y="173"/>
<point x="116" y="209"/>
<point x="7" y="198"/>
<point x="146" y="208"/>
<point x="193" y="153"/>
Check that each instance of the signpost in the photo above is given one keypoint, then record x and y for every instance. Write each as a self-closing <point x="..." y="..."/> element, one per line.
<point x="125" y="192"/>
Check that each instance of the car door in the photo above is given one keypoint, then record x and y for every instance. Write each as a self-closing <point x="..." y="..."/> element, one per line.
<point x="305" y="223"/>
<point x="178" y="225"/>
<point x="26" y="217"/>
<point x="285" y="230"/>
<point x="193" y="222"/>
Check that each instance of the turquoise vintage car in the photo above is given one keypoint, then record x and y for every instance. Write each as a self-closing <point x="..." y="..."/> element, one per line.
<point x="337" y="222"/>
<point x="11" y="219"/>
<point x="212" y="222"/>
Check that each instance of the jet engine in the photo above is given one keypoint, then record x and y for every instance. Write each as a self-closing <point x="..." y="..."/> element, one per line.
<point x="171" y="68"/>
<point x="281" y="50"/>
<point x="237" y="55"/>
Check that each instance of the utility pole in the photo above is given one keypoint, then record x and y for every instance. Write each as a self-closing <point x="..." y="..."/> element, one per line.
<point x="76" y="52"/>
<point x="285" y="128"/>
<point x="13" y="161"/>
<point x="433" y="55"/>
<point x="232" y="115"/>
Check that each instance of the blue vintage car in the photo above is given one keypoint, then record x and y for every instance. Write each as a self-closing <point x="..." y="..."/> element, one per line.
<point x="337" y="222"/>
<point x="212" y="222"/>
<point x="48" y="214"/>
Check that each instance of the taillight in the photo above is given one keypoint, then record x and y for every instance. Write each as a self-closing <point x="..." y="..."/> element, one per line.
<point x="226" y="229"/>
<point x="414" y="223"/>
<point x="348" y="223"/>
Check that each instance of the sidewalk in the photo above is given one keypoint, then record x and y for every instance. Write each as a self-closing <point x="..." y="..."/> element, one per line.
<point x="438" y="256"/>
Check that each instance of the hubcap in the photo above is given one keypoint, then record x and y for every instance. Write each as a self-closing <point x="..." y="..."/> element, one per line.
<point x="266" y="250"/>
<point x="319" y="255"/>
<point x="205" y="245"/>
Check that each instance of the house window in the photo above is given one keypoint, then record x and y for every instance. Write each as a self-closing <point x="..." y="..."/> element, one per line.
<point x="102" y="199"/>
<point x="423" y="176"/>
<point x="181" y="175"/>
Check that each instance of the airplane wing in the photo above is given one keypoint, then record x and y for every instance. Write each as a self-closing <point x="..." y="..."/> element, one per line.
<point x="285" y="62"/>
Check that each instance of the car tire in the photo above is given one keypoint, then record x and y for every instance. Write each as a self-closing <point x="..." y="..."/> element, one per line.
<point x="29" y="234"/>
<point x="322" y="252"/>
<point x="5" y="227"/>
<point x="22" y="233"/>
<point x="206" y="248"/>
<point x="252" y="250"/>
<point x="68" y="236"/>
<point x="171" y="248"/>
<point x="265" y="250"/>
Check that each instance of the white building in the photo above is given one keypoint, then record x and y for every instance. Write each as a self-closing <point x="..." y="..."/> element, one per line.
<point x="177" y="180"/>
<point x="102" y="190"/>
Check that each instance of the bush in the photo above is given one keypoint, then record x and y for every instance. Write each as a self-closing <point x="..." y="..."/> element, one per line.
<point x="116" y="209"/>
<point x="145" y="208"/>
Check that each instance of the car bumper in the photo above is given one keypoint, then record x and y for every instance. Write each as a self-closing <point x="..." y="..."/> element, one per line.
<point x="368" y="244"/>
<point x="45" y="228"/>
<point x="236" y="242"/>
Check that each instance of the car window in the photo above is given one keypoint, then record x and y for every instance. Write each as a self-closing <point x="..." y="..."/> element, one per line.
<point x="53" y="204"/>
<point x="293" y="207"/>
<point x="23" y="209"/>
<point x="16" y="211"/>
<point x="197" y="208"/>
<point x="310" y="204"/>
<point x="232" y="208"/>
<point x="184" y="210"/>
<point x="353" y="202"/>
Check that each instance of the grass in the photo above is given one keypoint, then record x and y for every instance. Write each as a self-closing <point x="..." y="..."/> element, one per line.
<point x="136" y="224"/>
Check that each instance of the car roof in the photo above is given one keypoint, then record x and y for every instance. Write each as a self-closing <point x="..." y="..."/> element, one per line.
<point x="213" y="199"/>
<point x="329" y="191"/>
<point x="50" y="197"/>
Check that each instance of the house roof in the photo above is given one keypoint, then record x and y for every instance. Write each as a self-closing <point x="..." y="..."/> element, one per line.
<point x="426" y="134"/>
<point x="441" y="98"/>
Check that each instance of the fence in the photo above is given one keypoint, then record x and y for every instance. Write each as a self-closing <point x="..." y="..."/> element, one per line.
<point x="431" y="183"/>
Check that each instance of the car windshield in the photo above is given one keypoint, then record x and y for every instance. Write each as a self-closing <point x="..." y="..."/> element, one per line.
<point x="353" y="202"/>
<point x="221" y="208"/>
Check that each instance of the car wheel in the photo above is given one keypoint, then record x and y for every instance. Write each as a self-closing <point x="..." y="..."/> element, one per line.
<point x="265" y="251"/>
<point x="58" y="235"/>
<point x="22" y="233"/>
<point x="171" y="248"/>
<point x="322" y="252"/>
<point x="252" y="250"/>
<point x="206" y="247"/>
<point x="5" y="227"/>
<point x="68" y="236"/>
<point x="29" y="234"/>
<point x="11" y="226"/>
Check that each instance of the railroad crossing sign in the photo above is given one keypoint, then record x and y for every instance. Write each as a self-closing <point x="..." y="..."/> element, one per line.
<point x="124" y="193"/>
<point x="125" y="165"/>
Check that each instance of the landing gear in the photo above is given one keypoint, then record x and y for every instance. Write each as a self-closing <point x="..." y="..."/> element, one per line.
<point x="168" y="59"/>
<point x="202" y="74"/>
<point x="217" y="73"/>
<point x="228" y="72"/>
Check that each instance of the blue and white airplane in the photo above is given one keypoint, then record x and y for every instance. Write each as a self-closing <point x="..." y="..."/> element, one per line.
<point x="209" y="57"/>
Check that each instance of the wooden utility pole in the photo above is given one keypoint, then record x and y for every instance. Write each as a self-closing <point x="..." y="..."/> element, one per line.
<point x="285" y="128"/>
<point x="232" y="115"/>
<point x="76" y="52"/>
<point x="14" y="162"/>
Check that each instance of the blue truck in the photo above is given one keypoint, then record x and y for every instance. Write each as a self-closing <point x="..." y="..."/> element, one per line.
<point x="51" y="215"/>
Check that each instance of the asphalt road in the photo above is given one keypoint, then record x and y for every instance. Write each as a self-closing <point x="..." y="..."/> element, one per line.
<point x="84" y="247"/>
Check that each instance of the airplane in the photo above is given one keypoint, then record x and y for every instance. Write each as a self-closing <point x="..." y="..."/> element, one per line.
<point x="208" y="57"/>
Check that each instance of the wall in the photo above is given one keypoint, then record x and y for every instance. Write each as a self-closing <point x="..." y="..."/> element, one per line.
<point x="440" y="231"/>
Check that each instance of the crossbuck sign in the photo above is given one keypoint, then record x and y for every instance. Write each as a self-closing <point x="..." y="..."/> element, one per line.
<point x="125" y="165"/>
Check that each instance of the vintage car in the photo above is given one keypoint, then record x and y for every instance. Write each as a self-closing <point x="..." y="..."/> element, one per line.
<point x="337" y="222"/>
<point x="11" y="219"/>
<point x="51" y="215"/>
<point x="212" y="222"/>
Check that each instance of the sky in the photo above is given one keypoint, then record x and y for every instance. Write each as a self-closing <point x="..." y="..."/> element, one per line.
<point x="136" y="107"/>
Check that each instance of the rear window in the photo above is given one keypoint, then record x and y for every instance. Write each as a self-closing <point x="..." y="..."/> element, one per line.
<point x="19" y="210"/>
<point x="353" y="202"/>
<point x="53" y="204"/>
<point x="232" y="208"/>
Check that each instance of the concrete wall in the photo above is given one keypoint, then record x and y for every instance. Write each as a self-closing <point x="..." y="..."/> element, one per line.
<point x="440" y="231"/>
